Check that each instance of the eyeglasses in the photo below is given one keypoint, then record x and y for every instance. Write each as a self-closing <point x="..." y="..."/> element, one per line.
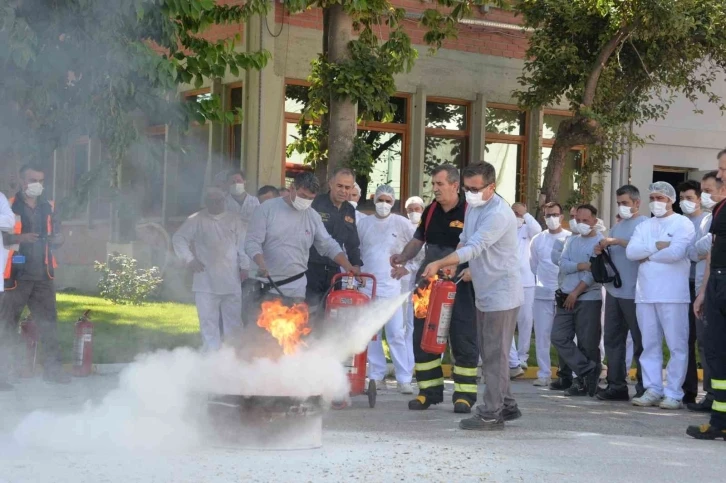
<point x="475" y="190"/>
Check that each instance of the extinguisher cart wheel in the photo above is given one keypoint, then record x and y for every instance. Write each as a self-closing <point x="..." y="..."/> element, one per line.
<point x="372" y="390"/>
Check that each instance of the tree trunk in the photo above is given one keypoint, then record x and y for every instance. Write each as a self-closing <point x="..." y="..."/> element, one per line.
<point x="321" y="167"/>
<point x="342" y="128"/>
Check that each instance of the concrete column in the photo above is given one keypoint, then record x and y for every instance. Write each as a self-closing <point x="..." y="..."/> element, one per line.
<point x="417" y="145"/>
<point x="533" y="157"/>
<point x="264" y="101"/>
<point x="477" y="133"/>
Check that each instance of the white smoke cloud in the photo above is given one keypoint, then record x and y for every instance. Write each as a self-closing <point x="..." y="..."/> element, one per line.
<point x="159" y="404"/>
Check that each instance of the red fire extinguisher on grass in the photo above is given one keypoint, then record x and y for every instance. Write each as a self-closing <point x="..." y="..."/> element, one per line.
<point x="350" y="296"/>
<point x="438" y="318"/>
<point x="29" y="333"/>
<point x="83" y="346"/>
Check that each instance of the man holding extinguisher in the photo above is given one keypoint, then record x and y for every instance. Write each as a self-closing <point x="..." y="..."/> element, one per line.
<point x="29" y="272"/>
<point x="440" y="228"/>
<point x="489" y="244"/>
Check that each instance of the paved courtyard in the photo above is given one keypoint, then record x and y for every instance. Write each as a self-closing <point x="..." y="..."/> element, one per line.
<point x="557" y="439"/>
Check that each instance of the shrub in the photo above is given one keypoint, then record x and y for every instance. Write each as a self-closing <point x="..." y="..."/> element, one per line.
<point x="123" y="283"/>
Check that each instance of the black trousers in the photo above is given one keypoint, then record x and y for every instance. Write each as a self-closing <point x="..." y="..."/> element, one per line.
<point x="690" y="384"/>
<point x="464" y="348"/>
<point x="715" y="343"/>
<point x="319" y="277"/>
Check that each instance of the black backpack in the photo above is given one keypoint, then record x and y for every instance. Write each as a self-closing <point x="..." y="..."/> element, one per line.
<point x="604" y="270"/>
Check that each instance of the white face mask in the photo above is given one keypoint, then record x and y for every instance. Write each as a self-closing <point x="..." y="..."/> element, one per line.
<point x="553" y="223"/>
<point x="383" y="209"/>
<point x="658" y="208"/>
<point x="301" y="204"/>
<point x="688" y="207"/>
<point x="707" y="201"/>
<point x="34" y="190"/>
<point x="415" y="217"/>
<point x="354" y="203"/>
<point x="475" y="199"/>
<point x="520" y="222"/>
<point x="237" y="189"/>
<point x="583" y="228"/>
<point x="573" y="225"/>
<point x="625" y="212"/>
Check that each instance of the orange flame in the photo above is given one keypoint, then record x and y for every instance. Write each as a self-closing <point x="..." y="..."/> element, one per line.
<point x="286" y="324"/>
<point x="421" y="299"/>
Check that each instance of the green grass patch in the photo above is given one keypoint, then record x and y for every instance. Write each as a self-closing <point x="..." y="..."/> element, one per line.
<point x="124" y="331"/>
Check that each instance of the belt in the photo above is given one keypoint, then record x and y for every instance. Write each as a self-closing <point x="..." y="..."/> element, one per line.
<point x="719" y="271"/>
<point x="326" y="267"/>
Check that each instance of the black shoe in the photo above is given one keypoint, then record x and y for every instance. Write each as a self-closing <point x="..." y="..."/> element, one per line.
<point x="461" y="406"/>
<point x="577" y="389"/>
<point x="639" y="393"/>
<point x="689" y="399"/>
<point x="610" y="394"/>
<point x="6" y="386"/>
<point x="706" y="431"/>
<point x="591" y="381"/>
<point x="56" y="376"/>
<point x="560" y="384"/>
<point x="419" y="404"/>
<point x="701" y="407"/>
<point x="479" y="423"/>
<point x="511" y="413"/>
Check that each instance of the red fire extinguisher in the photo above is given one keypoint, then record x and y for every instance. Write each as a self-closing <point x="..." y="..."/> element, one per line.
<point x="350" y="296"/>
<point x="29" y="333"/>
<point x="438" y="318"/>
<point x="83" y="346"/>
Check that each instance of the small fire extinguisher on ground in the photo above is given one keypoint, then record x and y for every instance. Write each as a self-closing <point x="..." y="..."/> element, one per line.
<point x="83" y="346"/>
<point x="441" y="304"/>
<point x="29" y="333"/>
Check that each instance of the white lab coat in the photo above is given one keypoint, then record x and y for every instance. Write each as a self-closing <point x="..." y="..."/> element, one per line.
<point x="7" y="222"/>
<point x="525" y="234"/>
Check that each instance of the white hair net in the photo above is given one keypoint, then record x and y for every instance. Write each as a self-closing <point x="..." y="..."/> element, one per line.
<point x="357" y="188"/>
<point x="663" y="188"/>
<point x="384" y="189"/>
<point x="414" y="200"/>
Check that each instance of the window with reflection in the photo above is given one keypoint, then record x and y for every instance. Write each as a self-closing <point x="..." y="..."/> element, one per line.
<point x="504" y="149"/>
<point x="192" y="153"/>
<point x="577" y="156"/>
<point x="446" y="141"/>
<point x="235" y="130"/>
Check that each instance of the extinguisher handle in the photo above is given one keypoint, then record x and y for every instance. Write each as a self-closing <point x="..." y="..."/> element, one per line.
<point x="339" y="276"/>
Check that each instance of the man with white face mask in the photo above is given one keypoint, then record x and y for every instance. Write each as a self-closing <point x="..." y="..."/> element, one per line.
<point x="237" y="199"/>
<point x="489" y="243"/>
<point x="29" y="273"/>
<point x="660" y="244"/>
<point x="280" y="235"/>
<point x="620" y="314"/>
<point x="353" y="199"/>
<point x="546" y="272"/>
<point x="579" y="304"/>
<point x="527" y="228"/>
<point x="711" y="194"/>
<point x="690" y="202"/>
<point x="211" y="243"/>
<point x="383" y="235"/>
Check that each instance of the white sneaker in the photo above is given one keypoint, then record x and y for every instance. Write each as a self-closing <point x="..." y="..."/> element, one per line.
<point x="404" y="388"/>
<point x="648" y="399"/>
<point x="670" y="403"/>
<point x="515" y="372"/>
<point x="542" y="382"/>
<point x="524" y="365"/>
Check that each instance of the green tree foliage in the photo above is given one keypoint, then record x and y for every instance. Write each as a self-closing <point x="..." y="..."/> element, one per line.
<point x="75" y="67"/>
<point x="617" y="63"/>
<point x="366" y="77"/>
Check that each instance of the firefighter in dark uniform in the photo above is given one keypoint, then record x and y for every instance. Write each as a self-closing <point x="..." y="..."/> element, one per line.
<point x="711" y="305"/>
<point x="339" y="219"/>
<point x="441" y="225"/>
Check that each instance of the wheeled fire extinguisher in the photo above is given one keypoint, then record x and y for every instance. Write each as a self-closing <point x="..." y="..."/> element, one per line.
<point x="438" y="317"/>
<point x="29" y="333"/>
<point x="83" y="346"/>
<point x="347" y="297"/>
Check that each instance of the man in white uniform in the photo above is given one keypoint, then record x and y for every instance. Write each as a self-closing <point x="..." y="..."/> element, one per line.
<point x="238" y="200"/>
<point x="546" y="272"/>
<point x="662" y="296"/>
<point x="382" y="235"/>
<point x="7" y="222"/>
<point x="353" y="199"/>
<point x="527" y="228"/>
<point x="211" y="242"/>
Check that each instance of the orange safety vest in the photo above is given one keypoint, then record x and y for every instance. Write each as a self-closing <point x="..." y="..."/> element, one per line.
<point x="11" y="270"/>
